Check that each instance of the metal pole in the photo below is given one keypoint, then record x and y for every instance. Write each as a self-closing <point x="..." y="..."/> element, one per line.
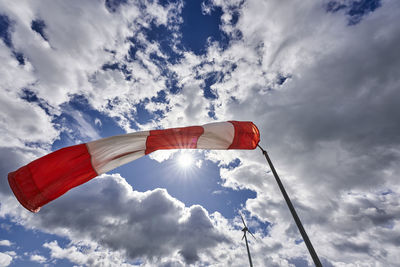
<point x="248" y="250"/>
<point x="296" y="218"/>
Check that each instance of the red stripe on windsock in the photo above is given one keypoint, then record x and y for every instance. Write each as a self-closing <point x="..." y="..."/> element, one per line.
<point x="49" y="177"/>
<point x="247" y="135"/>
<point x="174" y="138"/>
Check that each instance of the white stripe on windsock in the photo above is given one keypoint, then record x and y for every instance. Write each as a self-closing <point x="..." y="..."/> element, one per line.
<point x="112" y="152"/>
<point x="218" y="135"/>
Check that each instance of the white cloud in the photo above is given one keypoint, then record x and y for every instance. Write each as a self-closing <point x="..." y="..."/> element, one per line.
<point x="85" y="128"/>
<point x="149" y="226"/>
<point x="5" y="259"/>
<point x="22" y="122"/>
<point x="10" y="69"/>
<point x="80" y="38"/>
<point x="5" y="242"/>
<point x="162" y="155"/>
<point x="38" y="258"/>
<point x="86" y="254"/>
<point x="98" y="122"/>
<point x="199" y="163"/>
<point x="78" y="35"/>
<point x="11" y="253"/>
<point x="72" y="254"/>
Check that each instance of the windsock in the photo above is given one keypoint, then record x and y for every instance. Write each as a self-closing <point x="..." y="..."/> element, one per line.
<point x="50" y="176"/>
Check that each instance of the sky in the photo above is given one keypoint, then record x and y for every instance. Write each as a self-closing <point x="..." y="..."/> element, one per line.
<point x="320" y="79"/>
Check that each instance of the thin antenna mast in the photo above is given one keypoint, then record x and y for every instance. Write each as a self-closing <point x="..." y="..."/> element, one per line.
<point x="296" y="218"/>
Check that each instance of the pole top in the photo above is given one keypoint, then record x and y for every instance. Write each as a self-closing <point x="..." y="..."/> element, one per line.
<point x="263" y="150"/>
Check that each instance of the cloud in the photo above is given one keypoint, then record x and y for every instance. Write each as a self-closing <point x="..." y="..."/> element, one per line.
<point x="98" y="122"/>
<point x="330" y="128"/>
<point x="150" y="225"/>
<point x="5" y="242"/>
<point x="20" y="122"/>
<point x="10" y="68"/>
<point x="71" y="53"/>
<point x="199" y="163"/>
<point x="85" y="129"/>
<point x="38" y="258"/>
<point x="23" y="122"/>
<point x="5" y="259"/>
<point x="71" y="253"/>
<point x="80" y="40"/>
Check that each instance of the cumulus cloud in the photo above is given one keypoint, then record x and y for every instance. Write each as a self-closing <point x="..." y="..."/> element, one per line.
<point x="71" y="253"/>
<point x="77" y="33"/>
<point x="149" y="225"/>
<point x="5" y="259"/>
<point x="23" y="122"/>
<point x="87" y="51"/>
<point x="5" y="242"/>
<point x="10" y="68"/>
<point x="38" y="258"/>
<point x="87" y="254"/>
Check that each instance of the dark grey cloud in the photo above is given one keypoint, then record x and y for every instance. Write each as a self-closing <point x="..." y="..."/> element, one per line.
<point x="353" y="247"/>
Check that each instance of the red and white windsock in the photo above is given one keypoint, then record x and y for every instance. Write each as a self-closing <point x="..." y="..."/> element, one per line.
<point x="50" y="176"/>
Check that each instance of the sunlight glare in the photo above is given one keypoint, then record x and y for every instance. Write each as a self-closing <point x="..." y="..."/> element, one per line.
<point x="185" y="160"/>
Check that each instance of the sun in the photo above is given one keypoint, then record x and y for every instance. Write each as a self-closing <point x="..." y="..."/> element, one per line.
<point x="186" y="164"/>
<point x="185" y="160"/>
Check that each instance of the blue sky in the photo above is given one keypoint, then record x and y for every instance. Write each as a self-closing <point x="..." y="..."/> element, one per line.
<point x="319" y="79"/>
